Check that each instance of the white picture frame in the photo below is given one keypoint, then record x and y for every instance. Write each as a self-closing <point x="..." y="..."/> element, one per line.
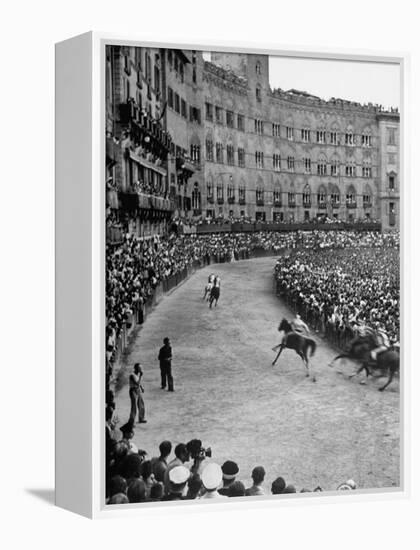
<point x="80" y="274"/>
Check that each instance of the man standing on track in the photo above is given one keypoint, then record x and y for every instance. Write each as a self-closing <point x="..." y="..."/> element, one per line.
<point x="165" y="363"/>
<point x="136" y="389"/>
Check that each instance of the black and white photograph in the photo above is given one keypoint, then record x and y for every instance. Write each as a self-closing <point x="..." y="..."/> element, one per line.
<point x="252" y="272"/>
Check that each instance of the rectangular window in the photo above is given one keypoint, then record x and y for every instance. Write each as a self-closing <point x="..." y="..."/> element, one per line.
<point x="259" y="126"/>
<point x="209" y="150"/>
<point x="391" y="136"/>
<point x="366" y="140"/>
<point x="219" y="152"/>
<point x="289" y="133"/>
<point x="241" y="195"/>
<point x="195" y="151"/>
<point x="170" y="98"/>
<point x="209" y="111"/>
<point x="349" y="138"/>
<point x="350" y="170"/>
<point x="183" y="108"/>
<point x="305" y="135"/>
<point x="391" y="182"/>
<point x="219" y="115"/>
<point x="195" y="115"/>
<point x="334" y="168"/>
<point x="177" y="103"/>
<point x="276" y="162"/>
<point x="241" y="123"/>
<point x="209" y="191"/>
<point x="321" y="136"/>
<point x="229" y="119"/>
<point x="230" y="155"/>
<point x="291" y="163"/>
<point x="321" y="168"/>
<point x="241" y="157"/>
<point x="259" y="159"/>
<point x="333" y="138"/>
<point x="276" y="130"/>
<point x="307" y="165"/>
<point x="367" y="172"/>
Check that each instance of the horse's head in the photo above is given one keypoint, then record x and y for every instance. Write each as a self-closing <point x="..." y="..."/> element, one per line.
<point x="284" y="326"/>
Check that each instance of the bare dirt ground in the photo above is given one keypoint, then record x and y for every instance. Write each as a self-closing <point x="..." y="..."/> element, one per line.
<point x="228" y="395"/>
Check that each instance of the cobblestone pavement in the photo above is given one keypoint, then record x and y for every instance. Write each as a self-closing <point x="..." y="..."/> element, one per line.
<point x="228" y="395"/>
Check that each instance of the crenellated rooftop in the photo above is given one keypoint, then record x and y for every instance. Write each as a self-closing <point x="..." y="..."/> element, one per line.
<point x="304" y="98"/>
<point x="225" y="77"/>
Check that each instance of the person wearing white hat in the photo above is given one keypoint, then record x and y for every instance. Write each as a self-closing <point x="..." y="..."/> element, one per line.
<point x="178" y="478"/>
<point x="212" y="478"/>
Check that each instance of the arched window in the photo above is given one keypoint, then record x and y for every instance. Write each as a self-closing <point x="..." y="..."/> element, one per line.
<point x="349" y="137"/>
<point x="210" y="190"/>
<point x="291" y="196"/>
<point x="367" y="196"/>
<point x="259" y="192"/>
<point x="258" y="95"/>
<point x="322" y="166"/>
<point x="258" y="67"/>
<point x="335" y="197"/>
<point x="367" y="137"/>
<point x="351" y="197"/>
<point x="306" y="196"/>
<point x="322" y="197"/>
<point x="277" y="194"/>
<point x="196" y="197"/>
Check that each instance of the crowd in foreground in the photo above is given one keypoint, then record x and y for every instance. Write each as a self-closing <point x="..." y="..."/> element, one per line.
<point x="133" y="477"/>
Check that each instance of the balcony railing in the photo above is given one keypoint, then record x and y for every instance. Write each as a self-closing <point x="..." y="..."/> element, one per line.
<point x="231" y="200"/>
<point x="210" y="200"/>
<point x="306" y="204"/>
<point x="291" y="204"/>
<point x="220" y="200"/>
<point x="277" y="203"/>
<point x="367" y="204"/>
<point x="260" y="202"/>
<point x="335" y="204"/>
<point x="351" y="205"/>
<point x="241" y="201"/>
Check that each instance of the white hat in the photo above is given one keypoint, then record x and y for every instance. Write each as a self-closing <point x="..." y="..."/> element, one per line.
<point x="212" y="476"/>
<point x="179" y="475"/>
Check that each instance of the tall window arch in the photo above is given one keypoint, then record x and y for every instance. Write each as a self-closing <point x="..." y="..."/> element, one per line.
<point x="306" y="196"/>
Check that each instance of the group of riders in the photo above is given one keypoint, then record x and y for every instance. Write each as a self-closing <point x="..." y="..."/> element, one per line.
<point x="212" y="289"/>
<point x="378" y="336"/>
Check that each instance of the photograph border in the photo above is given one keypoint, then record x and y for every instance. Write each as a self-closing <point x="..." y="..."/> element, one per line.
<point x="99" y="41"/>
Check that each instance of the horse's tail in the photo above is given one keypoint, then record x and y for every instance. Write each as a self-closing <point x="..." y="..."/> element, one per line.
<point x="312" y="345"/>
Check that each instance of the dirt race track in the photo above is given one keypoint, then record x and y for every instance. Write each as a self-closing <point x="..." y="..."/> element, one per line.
<point x="228" y="395"/>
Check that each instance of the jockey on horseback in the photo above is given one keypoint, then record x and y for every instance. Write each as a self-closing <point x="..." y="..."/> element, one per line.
<point x="211" y="278"/>
<point x="382" y="341"/>
<point x="299" y="326"/>
<point x="217" y="281"/>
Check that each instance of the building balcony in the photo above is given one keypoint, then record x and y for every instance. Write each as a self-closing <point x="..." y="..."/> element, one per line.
<point x="260" y="202"/>
<point x="335" y="205"/>
<point x="306" y="204"/>
<point x="367" y="204"/>
<point x="220" y="200"/>
<point x="210" y="200"/>
<point x="231" y="200"/>
<point x="277" y="204"/>
<point x="351" y="205"/>
<point x="241" y="202"/>
<point x="322" y="205"/>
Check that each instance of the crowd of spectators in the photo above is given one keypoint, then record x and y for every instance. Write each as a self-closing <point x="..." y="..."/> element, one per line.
<point x="134" y="477"/>
<point x="356" y="286"/>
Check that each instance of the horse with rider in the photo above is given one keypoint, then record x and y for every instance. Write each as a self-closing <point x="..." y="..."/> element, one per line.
<point x="295" y="336"/>
<point x="215" y="291"/>
<point x="372" y="349"/>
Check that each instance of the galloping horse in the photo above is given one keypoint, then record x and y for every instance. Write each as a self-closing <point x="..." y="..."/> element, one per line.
<point x="214" y="295"/>
<point x="359" y="351"/>
<point x="292" y="340"/>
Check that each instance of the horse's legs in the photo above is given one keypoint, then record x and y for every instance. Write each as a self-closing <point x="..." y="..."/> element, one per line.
<point x="278" y="355"/>
<point x="359" y="370"/>
<point x="390" y="378"/>
<point x="341" y="356"/>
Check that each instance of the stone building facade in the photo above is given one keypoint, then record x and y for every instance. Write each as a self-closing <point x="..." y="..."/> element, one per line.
<point x="192" y="138"/>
